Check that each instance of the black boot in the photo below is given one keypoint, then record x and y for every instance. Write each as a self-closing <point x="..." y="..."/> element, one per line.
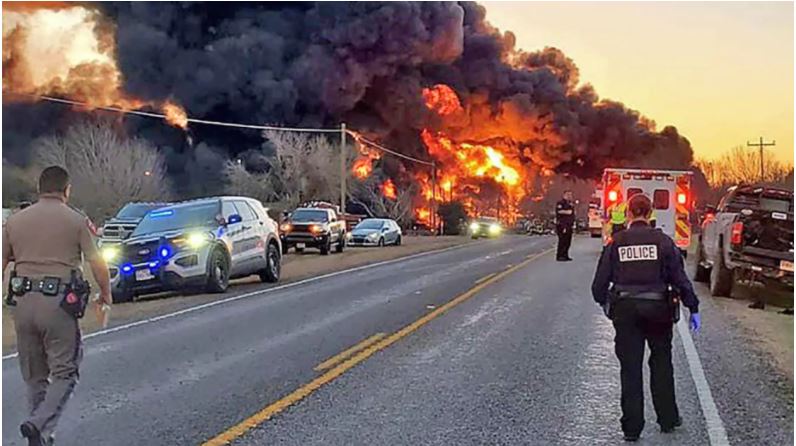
<point x="669" y="429"/>
<point x="31" y="432"/>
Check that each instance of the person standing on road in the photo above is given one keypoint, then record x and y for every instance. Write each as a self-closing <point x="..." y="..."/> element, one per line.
<point x="632" y="282"/>
<point x="46" y="242"/>
<point x="565" y="220"/>
<point x="617" y="213"/>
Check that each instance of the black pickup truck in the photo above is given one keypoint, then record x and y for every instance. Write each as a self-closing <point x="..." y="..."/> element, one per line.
<point x="747" y="239"/>
<point x="313" y="227"/>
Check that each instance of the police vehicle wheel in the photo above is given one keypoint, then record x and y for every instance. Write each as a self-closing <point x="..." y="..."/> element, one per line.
<point x="701" y="274"/>
<point x="123" y="296"/>
<point x="340" y="244"/>
<point x="398" y="241"/>
<point x="273" y="266"/>
<point x="218" y="272"/>
<point x="720" y="278"/>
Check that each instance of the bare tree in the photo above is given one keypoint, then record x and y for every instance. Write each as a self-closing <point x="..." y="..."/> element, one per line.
<point x="369" y="193"/>
<point x="741" y="165"/>
<point x="302" y="167"/>
<point x="107" y="169"/>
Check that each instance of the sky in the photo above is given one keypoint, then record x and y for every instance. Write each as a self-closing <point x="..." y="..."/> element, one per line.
<point x="721" y="72"/>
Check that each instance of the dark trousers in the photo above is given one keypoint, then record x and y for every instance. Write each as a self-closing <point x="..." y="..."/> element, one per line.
<point x="564" y="240"/>
<point x="637" y="322"/>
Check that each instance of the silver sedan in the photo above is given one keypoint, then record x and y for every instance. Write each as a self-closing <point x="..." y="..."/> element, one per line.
<point x="375" y="232"/>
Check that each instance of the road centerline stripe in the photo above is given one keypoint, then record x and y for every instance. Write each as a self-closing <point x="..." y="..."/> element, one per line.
<point x="717" y="435"/>
<point x="348" y="352"/>
<point x="487" y="277"/>
<point x="302" y="392"/>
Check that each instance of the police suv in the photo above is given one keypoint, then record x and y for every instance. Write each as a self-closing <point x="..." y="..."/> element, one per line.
<point x="195" y="244"/>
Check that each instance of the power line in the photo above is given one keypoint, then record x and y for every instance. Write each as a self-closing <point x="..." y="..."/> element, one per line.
<point x="390" y="151"/>
<point x="190" y="120"/>
<point x="760" y="145"/>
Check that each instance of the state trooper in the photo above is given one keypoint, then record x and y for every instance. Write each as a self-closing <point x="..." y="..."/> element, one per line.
<point x="47" y="242"/>
<point x="638" y="279"/>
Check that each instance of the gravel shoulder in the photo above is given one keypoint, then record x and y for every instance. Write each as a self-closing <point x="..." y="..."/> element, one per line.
<point x="295" y="267"/>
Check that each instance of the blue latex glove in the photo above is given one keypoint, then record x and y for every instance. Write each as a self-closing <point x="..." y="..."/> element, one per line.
<point x="695" y="322"/>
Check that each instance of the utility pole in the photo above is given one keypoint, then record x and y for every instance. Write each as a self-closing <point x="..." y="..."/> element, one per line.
<point x="434" y="195"/>
<point x="343" y="169"/>
<point x="761" y="145"/>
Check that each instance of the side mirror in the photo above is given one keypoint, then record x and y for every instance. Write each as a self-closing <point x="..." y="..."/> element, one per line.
<point x="234" y="218"/>
<point x="384" y="229"/>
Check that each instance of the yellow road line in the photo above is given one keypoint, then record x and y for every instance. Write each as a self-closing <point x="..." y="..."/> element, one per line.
<point x="484" y="278"/>
<point x="302" y="392"/>
<point x="345" y="354"/>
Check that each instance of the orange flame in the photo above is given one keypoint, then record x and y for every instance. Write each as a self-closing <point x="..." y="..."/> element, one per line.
<point x="388" y="189"/>
<point x="52" y="48"/>
<point x="442" y="99"/>
<point x="362" y="167"/>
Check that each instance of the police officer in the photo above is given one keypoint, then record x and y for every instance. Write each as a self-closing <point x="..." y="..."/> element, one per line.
<point x="565" y="219"/>
<point x="636" y="269"/>
<point x="46" y="242"/>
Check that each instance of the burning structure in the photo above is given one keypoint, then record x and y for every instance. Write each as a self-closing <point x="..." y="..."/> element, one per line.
<point x="433" y="80"/>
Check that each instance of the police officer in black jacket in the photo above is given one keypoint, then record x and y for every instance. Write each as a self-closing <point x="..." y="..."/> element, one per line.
<point x="565" y="220"/>
<point x="634" y="276"/>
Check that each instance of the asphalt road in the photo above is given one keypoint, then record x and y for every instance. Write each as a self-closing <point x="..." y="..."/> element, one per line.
<point x="519" y="357"/>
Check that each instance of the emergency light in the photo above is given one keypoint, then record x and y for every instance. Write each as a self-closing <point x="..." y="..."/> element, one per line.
<point x="612" y="195"/>
<point x="682" y="198"/>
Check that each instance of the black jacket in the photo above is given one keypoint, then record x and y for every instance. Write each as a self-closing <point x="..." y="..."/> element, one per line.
<point x="623" y="263"/>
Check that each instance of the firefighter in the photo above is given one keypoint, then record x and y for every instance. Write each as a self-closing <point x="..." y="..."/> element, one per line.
<point x="636" y="271"/>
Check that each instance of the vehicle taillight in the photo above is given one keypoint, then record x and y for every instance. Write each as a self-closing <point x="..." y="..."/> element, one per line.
<point x="613" y="196"/>
<point x="736" y="236"/>
<point x="682" y="198"/>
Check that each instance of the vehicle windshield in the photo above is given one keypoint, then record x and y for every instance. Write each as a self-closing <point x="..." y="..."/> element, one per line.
<point x="309" y="215"/>
<point x="136" y="210"/>
<point x="486" y="220"/>
<point x="179" y="217"/>
<point x="370" y="224"/>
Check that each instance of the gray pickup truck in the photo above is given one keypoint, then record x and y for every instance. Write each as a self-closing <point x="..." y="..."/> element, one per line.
<point x="747" y="239"/>
<point x="121" y="225"/>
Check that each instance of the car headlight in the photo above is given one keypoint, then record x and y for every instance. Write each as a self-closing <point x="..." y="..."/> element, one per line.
<point x="494" y="229"/>
<point x="473" y="227"/>
<point x="286" y="227"/>
<point x="373" y="235"/>
<point x="110" y="253"/>
<point x="197" y="239"/>
<point x="315" y="229"/>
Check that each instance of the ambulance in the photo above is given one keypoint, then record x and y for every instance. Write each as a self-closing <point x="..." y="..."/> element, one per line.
<point x="596" y="213"/>
<point x="669" y="190"/>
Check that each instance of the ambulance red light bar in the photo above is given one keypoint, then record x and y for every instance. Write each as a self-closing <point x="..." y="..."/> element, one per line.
<point x="682" y="198"/>
<point x="613" y="196"/>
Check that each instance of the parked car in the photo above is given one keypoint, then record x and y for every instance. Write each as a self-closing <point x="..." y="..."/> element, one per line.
<point x="485" y="227"/>
<point x="195" y="244"/>
<point x="747" y="238"/>
<point x="120" y="226"/>
<point x="376" y="232"/>
<point x="313" y="228"/>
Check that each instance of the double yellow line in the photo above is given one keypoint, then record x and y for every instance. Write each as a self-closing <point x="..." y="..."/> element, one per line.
<point x="358" y="354"/>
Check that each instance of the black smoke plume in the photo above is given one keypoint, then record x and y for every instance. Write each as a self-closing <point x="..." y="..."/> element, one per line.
<point x="319" y="64"/>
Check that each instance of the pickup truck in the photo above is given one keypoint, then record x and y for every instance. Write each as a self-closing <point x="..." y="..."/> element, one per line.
<point x="747" y="239"/>
<point x="316" y="227"/>
<point x="120" y="226"/>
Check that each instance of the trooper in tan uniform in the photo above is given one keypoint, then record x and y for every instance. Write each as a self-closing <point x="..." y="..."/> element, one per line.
<point x="49" y="239"/>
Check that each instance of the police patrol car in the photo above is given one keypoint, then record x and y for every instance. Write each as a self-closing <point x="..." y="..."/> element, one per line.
<point x="669" y="190"/>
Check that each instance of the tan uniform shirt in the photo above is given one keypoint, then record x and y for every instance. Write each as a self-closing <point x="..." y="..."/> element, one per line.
<point x="48" y="238"/>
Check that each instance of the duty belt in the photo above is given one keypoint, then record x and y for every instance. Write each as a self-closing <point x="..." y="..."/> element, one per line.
<point x="646" y="295"/>
<point x="50" y="286"/>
